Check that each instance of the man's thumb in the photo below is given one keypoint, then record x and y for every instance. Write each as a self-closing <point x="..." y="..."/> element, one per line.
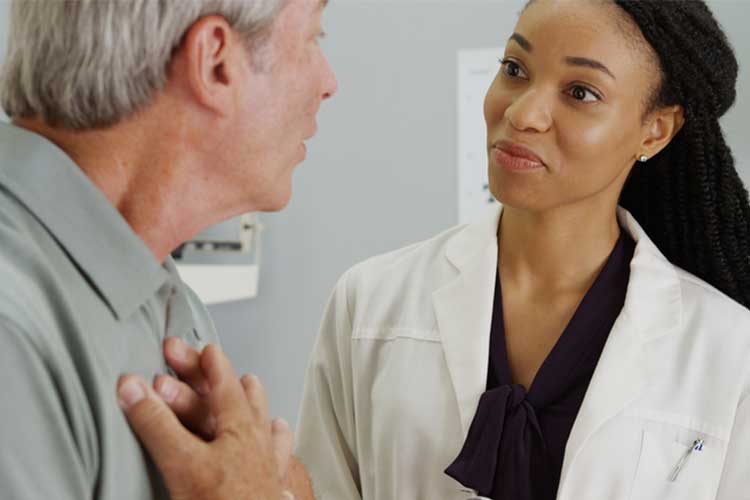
<point x="157" y="427"/>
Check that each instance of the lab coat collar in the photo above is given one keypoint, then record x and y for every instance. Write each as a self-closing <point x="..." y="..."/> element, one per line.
<point x="654" y="298"/>
<point x="652" y="309"/>
<point x="463" y="308"/>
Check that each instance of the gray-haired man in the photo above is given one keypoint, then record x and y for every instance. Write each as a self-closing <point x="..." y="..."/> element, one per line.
<point x="136" y="124"/>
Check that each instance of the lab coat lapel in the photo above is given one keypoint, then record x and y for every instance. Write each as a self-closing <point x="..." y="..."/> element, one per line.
<point x="618" y="380"/>
<point x="463" y="308"/>
<point x="653" y="308"/>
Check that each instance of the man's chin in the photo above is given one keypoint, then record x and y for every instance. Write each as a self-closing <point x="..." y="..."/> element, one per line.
<point x="279" y="200"/>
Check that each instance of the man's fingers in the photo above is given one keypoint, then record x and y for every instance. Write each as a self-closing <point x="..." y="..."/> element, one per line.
<point x="166" y="440"/>
<point x="226" y="397"/>
<point x="256" y="396"/>
<point x="283" y="444"/>
<point x="298" y="481"/>
<point x="186" y="363"/>
<point x="190" y="408"/>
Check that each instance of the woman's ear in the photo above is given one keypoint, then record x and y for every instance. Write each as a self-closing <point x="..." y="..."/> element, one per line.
<point x="660" y="128"/>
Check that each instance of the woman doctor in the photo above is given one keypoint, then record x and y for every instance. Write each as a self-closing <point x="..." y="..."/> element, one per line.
<point x="567" y="347"/>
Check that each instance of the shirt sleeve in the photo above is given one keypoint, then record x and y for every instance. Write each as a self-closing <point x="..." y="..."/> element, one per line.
<point x="39" y="457"/>
<point x="326" y="434"/>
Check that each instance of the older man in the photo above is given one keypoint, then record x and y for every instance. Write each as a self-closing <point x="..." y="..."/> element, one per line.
<point x="136" y="124"/>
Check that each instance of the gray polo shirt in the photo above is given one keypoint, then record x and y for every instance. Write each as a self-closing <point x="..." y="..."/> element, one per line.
<point x="82" y="300"/>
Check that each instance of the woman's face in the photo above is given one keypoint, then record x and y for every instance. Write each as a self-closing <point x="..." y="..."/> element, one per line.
<point x="571" y="90"/>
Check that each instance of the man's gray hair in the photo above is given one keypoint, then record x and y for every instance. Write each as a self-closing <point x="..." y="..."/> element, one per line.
<point x="83" y="64"/>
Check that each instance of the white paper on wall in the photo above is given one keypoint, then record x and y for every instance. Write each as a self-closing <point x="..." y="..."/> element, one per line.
<point x="476" y="70"/>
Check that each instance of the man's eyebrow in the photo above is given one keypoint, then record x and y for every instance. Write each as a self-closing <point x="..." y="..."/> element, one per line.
<point x="589" y="63"/>
<point x="323" y="4"/>
<point x="520" y="40"/>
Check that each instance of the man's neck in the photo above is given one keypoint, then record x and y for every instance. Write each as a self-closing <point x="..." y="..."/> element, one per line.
<point x="145" y="174"/>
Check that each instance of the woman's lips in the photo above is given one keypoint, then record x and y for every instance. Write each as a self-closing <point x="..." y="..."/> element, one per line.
<point x="515" y="157"/>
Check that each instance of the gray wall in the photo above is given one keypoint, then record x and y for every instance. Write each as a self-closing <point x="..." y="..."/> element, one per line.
<point x="734" y="16"/>
<point x="381" y="172"/>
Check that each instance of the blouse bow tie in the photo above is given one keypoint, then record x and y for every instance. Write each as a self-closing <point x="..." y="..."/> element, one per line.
<point x="504" y="451"/>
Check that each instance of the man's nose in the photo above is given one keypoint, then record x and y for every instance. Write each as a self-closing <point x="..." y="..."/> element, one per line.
<point x="330" y="83"/>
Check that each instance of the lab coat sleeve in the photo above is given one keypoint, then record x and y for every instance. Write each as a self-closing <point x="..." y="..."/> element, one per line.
<point x="326" y="434"/>
<point x="736" y="474"/>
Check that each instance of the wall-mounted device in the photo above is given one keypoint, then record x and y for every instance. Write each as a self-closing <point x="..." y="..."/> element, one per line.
<point x="222" y="264"/>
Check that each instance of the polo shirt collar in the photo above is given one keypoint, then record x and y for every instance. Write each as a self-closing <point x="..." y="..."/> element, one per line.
<point x="76" y="213"/>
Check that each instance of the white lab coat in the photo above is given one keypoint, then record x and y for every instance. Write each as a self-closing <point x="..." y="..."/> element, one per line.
<point x="401" y="361"/>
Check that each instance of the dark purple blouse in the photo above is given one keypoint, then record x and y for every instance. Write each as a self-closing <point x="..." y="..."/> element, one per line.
<point x="516" y="442"/>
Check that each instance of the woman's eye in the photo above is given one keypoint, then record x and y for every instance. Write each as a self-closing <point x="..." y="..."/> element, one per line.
<point x="511" y="68"/>
<point x="580" y="93"/>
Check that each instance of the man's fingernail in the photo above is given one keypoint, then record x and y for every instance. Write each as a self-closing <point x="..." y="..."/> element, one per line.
<point x="129" y="393"/>
<point x="180" y="349"/>
<point x="167" y="389"/>
<point x="279" y="425"/>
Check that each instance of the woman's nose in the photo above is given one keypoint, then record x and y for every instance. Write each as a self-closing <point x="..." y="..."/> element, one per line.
<point x="529" y="112"/>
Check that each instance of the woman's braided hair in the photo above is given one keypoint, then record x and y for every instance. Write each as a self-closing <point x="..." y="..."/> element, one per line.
<point x="689" y="198"/>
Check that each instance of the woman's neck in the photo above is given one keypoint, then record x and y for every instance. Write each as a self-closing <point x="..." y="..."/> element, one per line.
<point x="562" y="249"/>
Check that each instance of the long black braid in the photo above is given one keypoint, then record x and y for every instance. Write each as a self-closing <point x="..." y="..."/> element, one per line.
<point x="689" y="198"/>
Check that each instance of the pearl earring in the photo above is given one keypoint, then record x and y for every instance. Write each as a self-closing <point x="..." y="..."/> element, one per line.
<point x="643" y="159"/>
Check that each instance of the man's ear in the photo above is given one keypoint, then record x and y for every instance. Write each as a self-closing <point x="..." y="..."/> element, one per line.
<point x="660" y="128"/>
<point x="208" y="49"/>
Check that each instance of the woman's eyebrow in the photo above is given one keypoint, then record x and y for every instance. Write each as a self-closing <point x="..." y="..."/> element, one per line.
<point x="520" y="40"/>
<point x="570" y="60"/>
<point x="589" y="63"/>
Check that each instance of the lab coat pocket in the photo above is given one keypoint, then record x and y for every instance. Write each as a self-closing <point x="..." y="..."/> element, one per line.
<point x="672" y="469"/>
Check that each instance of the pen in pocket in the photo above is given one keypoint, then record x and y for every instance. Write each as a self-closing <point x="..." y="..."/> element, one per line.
<point x="697" y="446"/>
